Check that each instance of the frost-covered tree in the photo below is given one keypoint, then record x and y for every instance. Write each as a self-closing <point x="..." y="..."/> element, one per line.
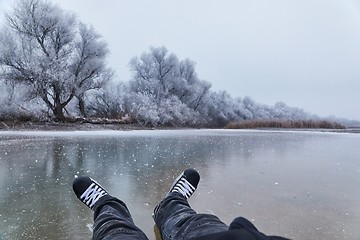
<point x="143" y="108"/>
<point x="257" y="110"/>
<point x="15" y="102"/>
<point x="281" y="111"/>
<point x="221" y="108"/>
<point x="167" y="87"/>
<point x="241" y="109"/>
<point x="170" y="111"/>
<point x="49" y="50"/>
<point x="108" y="101"/>
<point x="188" y="87"/>
<point x="154" y="73"/>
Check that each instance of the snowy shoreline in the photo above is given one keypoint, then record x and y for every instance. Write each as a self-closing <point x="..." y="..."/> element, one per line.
<point x="55" y="126"/>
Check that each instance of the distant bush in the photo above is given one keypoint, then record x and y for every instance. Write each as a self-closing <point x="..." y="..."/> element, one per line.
<point x="323" y="124"/>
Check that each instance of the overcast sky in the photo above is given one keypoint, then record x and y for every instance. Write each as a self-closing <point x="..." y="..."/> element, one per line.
<point x="305" y="53"/>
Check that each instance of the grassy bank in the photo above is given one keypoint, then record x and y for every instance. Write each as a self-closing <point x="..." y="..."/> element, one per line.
<point x="113" y="124"/>
<point x="299" y="124"/>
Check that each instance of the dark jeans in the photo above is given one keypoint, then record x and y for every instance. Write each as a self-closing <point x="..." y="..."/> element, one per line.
<point x="174" y="218"/>
<point x="177" y="220"/>
<point x="112" y="220"/>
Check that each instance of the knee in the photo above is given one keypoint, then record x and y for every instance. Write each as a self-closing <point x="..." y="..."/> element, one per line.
<point x="240" y="223"/>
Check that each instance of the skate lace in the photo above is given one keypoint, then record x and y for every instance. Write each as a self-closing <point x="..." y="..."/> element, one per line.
<point x="184" y="187"/>
<point x="92" y="195"/>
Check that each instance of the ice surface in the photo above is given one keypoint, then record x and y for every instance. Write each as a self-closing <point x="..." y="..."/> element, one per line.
<point x="304" y="185"/>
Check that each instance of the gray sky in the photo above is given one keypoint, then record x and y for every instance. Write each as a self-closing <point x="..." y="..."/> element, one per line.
<point x="305" y="53"/>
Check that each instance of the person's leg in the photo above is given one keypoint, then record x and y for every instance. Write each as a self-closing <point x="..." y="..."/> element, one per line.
<point x="112" y="219"/>
<point x="176" y="219"/>
<point x="243" y="224"/>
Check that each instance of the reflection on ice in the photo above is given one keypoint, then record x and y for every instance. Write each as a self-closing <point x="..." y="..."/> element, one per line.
<point x="299" y="184"/>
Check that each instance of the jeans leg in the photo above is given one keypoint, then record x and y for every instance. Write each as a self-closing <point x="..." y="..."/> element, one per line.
<point x="243" y="224"/>
<point x="177" y="220"/>
<point x="240" y="223"/>
<point x="112" y="220"/>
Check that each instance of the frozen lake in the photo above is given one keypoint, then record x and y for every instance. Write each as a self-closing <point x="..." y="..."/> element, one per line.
<point x="303" y="185"/>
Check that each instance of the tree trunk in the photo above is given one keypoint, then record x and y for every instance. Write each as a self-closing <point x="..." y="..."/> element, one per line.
<point x="58" y="107"/>
<point x="82" y="107"/>
<point x="58" y="113"/>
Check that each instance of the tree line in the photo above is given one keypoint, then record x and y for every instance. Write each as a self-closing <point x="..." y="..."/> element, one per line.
<point x="53" y="67"/>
